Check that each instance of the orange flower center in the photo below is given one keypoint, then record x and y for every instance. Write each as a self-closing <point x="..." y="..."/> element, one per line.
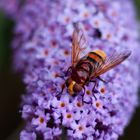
<point x="79" y="104"/>
<point x="53" y="43"/>
<point x="114" y="13"/>
<point x="67" y="19"/>
<point x="102" y="90"/>
<point x="88" y="92"/>
<point x="80" y="128"/>
<point x="55" y="62"/>
<point x="56" y="75"/>
<point x="96" y="23"/>
<point x="62" y="104"/>
<point x="66" y="52"/>
<point x="46" y="52"/>
<point x="69" y="116"/>
<point x="41" y="120"/>
<point x="98" y="104"/>
<point x="86" y="14"/>
<point x="108" y="36"/>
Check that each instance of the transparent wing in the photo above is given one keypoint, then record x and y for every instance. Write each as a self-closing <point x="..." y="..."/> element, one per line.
<point x="78" y="44"/>
<point x="111" y="61"/>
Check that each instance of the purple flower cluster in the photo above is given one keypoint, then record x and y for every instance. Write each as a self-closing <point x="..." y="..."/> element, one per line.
<point x="42" y="48"/>
<point x="12" y="7"/>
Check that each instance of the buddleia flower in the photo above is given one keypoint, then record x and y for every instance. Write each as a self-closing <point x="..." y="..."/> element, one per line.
<point x="11" y="7"/>
<point x="42" y="52"/>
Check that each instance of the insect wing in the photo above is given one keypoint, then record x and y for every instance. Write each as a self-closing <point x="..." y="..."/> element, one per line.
<point x="78" y="44"/>
<point x="113" y="60"/>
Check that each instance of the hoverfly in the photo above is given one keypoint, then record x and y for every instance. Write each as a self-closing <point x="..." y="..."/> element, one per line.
<point x="88" y="68"/>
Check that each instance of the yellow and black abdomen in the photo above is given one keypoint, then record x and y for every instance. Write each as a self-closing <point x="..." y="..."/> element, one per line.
<point x="83" y="70"/>
<point x="96" y="57"/>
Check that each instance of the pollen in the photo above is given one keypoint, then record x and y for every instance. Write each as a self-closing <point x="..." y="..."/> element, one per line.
<point x="69" y="116"/>
<point x="56" y="75"/>
<point x="67" y="19"/>
<point x="41" y="120"/>
<point x="80" y="128"/>
<point x="46" y="52"/>
<point x="66" y="52"/>
<point x="98" y="104"/>
<point x="55" y="62"/>
<point x="96" y="23"/>
<point x="88" y="92"/>
<point x="42" y="94"/>
<point x="108" y="35"/>
<point x="51" y="89"/>
<point x="79" y="104"/>
<point x="114" y="13"/>
<point x="102" y="90"/>
<point x="53" y="43"/>
<point x="86" y="14"/>
<point x="62" y="104"/>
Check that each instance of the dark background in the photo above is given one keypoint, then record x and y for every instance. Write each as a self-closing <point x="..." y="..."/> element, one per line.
<point x="11" y="89"/>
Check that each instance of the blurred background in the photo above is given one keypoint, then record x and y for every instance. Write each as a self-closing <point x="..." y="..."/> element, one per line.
<point x="11" y="89"/>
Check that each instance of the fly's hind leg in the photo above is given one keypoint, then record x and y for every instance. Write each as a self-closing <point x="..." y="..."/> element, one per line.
<point x="94" y="87"/>
<point x="84" y="90"/>
<point x="102" y="80"/>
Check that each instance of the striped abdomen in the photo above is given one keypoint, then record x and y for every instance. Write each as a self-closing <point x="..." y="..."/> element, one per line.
<point x="86" y="66"/>
<point x="96" y="57"/>
<point x="83" y="70"/>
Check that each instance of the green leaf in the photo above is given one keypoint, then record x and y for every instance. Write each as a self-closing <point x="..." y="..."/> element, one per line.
<point x="6" y="26"/>
<point x="137" y="5"/>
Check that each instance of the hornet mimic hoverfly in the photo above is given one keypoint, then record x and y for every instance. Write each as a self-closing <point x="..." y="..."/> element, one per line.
<point x="89" y="68"/>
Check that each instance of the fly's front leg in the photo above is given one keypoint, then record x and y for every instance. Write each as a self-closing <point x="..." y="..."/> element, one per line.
<point x="69" y="70"/>
<point x="62" y="89"/>
<point x="65" y="74"/>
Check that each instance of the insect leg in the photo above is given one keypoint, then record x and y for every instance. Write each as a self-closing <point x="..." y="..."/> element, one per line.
<point x="69" y="70"/>
<point x="65" y="74"/>
<point x="94" y="96"/>
<point x="62" y="89"/>
<point x="95" y="84"/>
<point x="84" y="89"/>
<point x="102" y="80"/>
<point x="93" y="89"/>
